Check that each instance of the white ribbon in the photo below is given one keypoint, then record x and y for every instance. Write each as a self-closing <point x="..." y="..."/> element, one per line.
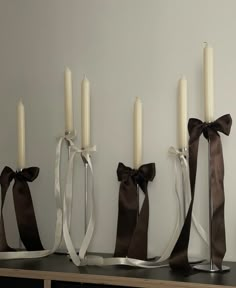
<point x="68" y="195"/>
<point x="186" y="190"/>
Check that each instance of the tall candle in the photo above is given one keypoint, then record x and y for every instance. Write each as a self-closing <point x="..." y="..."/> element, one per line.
<point x="85" y="113"/>
<point x="208" y="83"/>
<point x="21" y="135"/>
<point x="137" y="129"/>
<point x="68" y="102"/>
<point x="182" y="114"/>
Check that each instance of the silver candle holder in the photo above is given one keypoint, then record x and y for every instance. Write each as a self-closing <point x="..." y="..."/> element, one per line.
<point x="86" y="180"/>
<point x="184" y="152"/>
<point x="210" y="266"/>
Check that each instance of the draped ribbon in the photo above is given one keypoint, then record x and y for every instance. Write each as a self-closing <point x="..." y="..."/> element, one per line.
<point x="179" y="257"/>
<point x="184" y="194"/>
<point x="25" y="215"/>
<point x="82" y="259"/>
<point x="132" y="228"/>
<point x="66" y="199"/>
<point x="59" y="213"/>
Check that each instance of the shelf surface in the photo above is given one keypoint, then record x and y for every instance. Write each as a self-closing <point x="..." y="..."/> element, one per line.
<point x="60" y="268"/>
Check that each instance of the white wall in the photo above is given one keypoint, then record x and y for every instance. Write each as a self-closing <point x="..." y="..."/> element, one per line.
<point x="127" y="48"/>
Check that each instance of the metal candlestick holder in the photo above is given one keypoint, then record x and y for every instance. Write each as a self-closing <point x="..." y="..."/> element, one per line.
<point x="210" y="266"/>
<point x="86" y="178"/>
<point x="68" y="134"/>
<point x="184" y="152"/>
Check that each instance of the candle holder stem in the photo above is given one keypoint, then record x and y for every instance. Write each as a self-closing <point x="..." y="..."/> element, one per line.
<point x="86" y="178"/>
<point x="210" y="266"/>
<point x="184" y="196"/>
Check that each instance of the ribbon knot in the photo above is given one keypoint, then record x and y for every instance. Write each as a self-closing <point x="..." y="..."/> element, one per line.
<point x="133" y="226"/>
<point x="197" y="127"/>
<point x="140" y="176"/>
<point x="23" y="204"/>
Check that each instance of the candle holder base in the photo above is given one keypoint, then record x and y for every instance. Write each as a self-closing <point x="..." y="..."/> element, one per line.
<point x="208" y="267"/>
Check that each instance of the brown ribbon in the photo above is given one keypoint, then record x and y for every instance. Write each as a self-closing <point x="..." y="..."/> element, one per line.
<point x="132" y="228"/>
<point x="24" y="209"/>
<point x="179" y="257"/>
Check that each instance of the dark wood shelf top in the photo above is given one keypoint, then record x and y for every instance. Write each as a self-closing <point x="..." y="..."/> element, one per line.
<point x="60" y="268"/>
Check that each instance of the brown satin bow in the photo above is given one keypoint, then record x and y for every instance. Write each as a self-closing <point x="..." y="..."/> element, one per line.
<point x="179" y="258"/>
<point x="132" y="227"/>
<point x="23" y="204"/>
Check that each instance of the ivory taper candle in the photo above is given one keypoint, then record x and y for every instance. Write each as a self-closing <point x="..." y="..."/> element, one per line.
<point x="85" y="113"/>
<point x="208" y="83"/>
<point x="182" y="114"/>
<point x="21" y="135"/>
<point x="137" y="127"/>
<point x="68" y="102"/>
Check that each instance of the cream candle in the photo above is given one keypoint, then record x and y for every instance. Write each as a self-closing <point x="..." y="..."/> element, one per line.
<point x="85" y="113"/>
<point x="21" y="135"/>
<point x="182" y="114"/>
<point x="68" y="101"/>
<point x="208" y="83"/>
<point x="137" y="130"/>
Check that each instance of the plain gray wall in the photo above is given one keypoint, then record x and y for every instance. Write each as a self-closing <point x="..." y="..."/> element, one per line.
<point x="127" y="48"/>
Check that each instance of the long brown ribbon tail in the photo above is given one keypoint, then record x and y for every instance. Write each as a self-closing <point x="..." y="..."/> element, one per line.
<point x="139" y="243"/>
<point x="179" y="255"/>
<point x="25" y="214"/>
<point x="218" y="241"/>
<point x="5" y="180"/>
<point x="127" y="210"/>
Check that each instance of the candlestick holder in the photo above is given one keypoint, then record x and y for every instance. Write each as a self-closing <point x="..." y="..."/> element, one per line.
<point x="85" y="157"/>
<point x="183" y="157"/>
<point x="210" y="266"/>
<point x="68" y="136"/>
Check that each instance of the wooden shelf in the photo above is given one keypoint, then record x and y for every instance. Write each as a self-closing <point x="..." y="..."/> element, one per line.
<point x="59" y="268"/>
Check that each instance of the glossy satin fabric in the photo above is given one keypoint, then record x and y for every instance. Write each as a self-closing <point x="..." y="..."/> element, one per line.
<point x="179" y="256"/>
<point x="24" y="209"/>
<point x="132" y="226"/>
